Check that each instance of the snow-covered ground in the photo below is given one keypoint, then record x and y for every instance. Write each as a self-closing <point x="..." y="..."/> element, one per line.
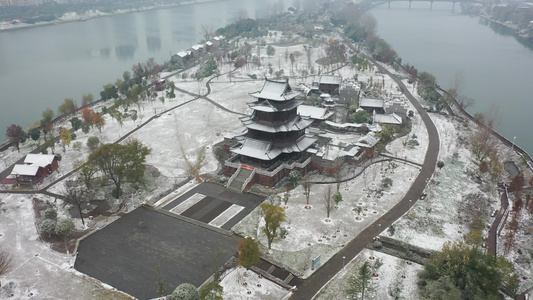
<point x="39" y="272"/>
<point x="179" y="133"/>
<point x="238" y="284"/>
<point x="396" y="278"/>
<point x="312" y="234"/>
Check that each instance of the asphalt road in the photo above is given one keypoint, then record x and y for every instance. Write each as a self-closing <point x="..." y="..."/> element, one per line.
<point x="315" y="282"/>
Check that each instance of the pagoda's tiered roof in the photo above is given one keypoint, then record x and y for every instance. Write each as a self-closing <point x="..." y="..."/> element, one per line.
<point x="265" y="150"/>
<point x="294" y="123"/>
<point x="276" y="91"/>
<point x="274" y="106"/>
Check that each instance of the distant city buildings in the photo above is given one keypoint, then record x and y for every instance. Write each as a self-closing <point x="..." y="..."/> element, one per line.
<point x="36" y="2"/>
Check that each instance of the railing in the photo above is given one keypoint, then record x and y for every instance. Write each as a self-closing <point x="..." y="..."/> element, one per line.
<point x="234" y="175"/>
<point x="247" y="181"/>
<point x="463" y="111"/>
<point x="505" y="212"/>
<point x="503" y="139"/>
<point x="285" y="166"/>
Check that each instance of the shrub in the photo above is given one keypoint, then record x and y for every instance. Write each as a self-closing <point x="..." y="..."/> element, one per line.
<point x="48" y="227"/>
<point x="50" y="213"/>
<point x="93" y="142"/>
<point x="185" y="291"/>
<point x="386" y="182"/>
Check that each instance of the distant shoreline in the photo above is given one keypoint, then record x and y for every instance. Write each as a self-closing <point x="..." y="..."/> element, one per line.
<point x="7" y="26"/>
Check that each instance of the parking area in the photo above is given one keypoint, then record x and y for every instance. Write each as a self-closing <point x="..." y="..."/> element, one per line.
<point x="214" y="205"/>
<point x="127" y="253"/>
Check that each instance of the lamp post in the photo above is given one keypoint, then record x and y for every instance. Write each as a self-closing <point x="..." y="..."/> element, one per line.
<point x="514" y="140"/>
<point x="410" y="204"/>
<point x="343" y="258"/>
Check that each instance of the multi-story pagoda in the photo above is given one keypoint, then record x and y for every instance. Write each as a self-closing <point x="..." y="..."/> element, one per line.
<point x="275" y="142"/>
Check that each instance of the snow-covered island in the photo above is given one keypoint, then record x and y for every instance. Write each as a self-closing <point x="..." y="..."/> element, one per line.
<point x="186" y="126"/>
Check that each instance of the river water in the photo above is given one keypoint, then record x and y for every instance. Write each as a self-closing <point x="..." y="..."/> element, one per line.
<point x="497" y="70"/>
<point x="41" y="66"/>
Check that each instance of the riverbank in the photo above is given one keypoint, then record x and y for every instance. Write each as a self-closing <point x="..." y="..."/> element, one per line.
<point x="91" y="14"/>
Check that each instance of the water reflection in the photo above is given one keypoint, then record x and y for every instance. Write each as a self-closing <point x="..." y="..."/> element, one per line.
<point x="125" y="52"/>
<point x="153" y="43"/>
<point x="506" y="31"/>
<point x="105" y="52"/>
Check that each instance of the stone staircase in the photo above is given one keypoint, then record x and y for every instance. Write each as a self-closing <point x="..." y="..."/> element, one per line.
<point x="238" y="182"/>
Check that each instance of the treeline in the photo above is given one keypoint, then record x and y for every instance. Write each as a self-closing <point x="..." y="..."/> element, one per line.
<point x="52" y="11"/>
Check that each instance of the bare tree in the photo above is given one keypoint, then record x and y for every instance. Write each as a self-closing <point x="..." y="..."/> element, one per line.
<point x="207" y="32"/>
<point x="76" y="194"/>
<point x="338" y="178"/>
<point x="327" y="199"/>
<point x="306" y="185"/>
<point x="482" y="142"/>
<point x="369" y="23"/>
<point x="5" y="262"/>
<point x="240" y="16"/>
<point x="195" y="167"/>
<point x="308" y="52"/>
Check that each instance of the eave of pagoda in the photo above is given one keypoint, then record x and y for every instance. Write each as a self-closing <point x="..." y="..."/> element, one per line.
<point x="295" y="123"/>
<point x="273" y="106"/>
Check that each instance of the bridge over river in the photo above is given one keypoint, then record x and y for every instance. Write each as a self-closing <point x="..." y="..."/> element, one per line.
<point x="431" y="2"/>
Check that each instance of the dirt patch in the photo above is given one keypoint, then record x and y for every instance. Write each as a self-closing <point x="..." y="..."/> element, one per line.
<point x="153" y="171"/>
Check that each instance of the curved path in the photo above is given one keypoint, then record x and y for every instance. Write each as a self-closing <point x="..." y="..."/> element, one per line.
<point x="45" y="191"/>
<point x="315" y="282"/>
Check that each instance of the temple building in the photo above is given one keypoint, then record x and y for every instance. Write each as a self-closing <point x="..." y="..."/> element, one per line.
<point x="275" y="142"/>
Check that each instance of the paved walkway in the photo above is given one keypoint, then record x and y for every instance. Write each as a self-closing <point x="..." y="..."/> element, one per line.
<point x="315" y="282"/>
<point x="7" y="171"/>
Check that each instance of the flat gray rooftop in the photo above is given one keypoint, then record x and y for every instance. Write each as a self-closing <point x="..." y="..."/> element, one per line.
<point x="125" y="253"/>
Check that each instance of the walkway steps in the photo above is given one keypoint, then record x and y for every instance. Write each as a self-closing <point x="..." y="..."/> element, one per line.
<point x="288" y="279"/>
<point x="238" y="181"/>
<point x="271" y="269"/>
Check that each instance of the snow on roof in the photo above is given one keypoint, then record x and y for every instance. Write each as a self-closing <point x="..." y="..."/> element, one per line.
<point x="388" y="119"/>
<point x="324" y="95"/>
<point x="219" y="38"/>
<point x="374" y="127"/>
<point x="209" y="43"/>
<point x="367" y="141"/>
<point x="368" y="102"/>
<point x="296" y="123"/>
<point x="266" y="151"/>
<point x="330" y="79"/>
<point x="257" y="149"/>
<point x="344" y="125"/>
<point x="40" y="160"/>
<point x="351" y="150"/>
<point x="276" y="90"/>
<point x="25" y="170"/>
<point x="301" y="144"/>
<point x="183" y="53"/>
<point x="197" y="47"/>
<point x="317" y="113"/>
<point x="398" y="96"/>
<point x="273" y="106"/>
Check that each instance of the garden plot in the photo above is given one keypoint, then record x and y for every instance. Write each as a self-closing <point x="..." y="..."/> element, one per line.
<point x="434" y="221"/>
<point x="310" y="233"/>
<point x="396" y="278"/>
<point x="239" y="283"/>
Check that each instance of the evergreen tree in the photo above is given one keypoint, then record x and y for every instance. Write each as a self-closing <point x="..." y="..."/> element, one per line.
<point x="360" y="284"/>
